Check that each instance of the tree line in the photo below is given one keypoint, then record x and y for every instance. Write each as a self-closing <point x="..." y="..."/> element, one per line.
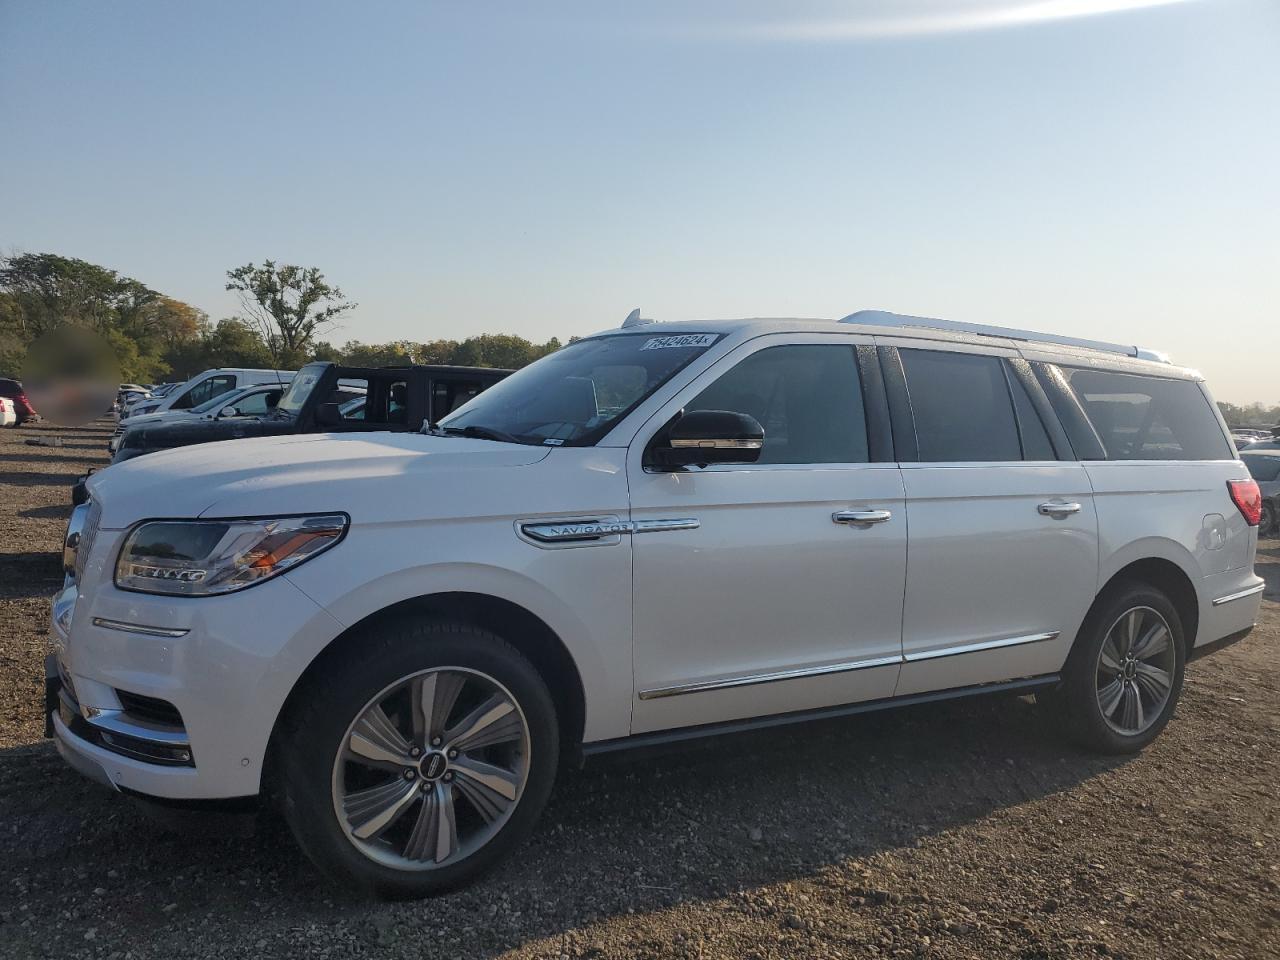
<point x="1250" y="415"/>
<point x="285" y="312"/>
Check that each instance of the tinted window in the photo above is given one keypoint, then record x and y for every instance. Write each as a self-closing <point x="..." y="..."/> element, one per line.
<point x="1149" y="418"/>
<point x="204" y="391"/>
<point x="257" y="403"/>
<point x="1263" y="469"/>
<point x="1035" y="439"/>
<point x="807" y="398"/>
<point x="962" y="408"/>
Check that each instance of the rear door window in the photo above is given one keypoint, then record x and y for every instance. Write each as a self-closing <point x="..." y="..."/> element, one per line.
<point x="962" y="408"/>
<point x="1149" y="418"/>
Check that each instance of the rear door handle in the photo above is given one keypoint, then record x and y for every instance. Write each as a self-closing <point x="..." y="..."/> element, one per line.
<point x="1058" y="508"/>
<point x="861" y="517"/>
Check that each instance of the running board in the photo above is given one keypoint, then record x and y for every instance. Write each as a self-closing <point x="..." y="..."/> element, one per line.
<point x="705" y="731"/>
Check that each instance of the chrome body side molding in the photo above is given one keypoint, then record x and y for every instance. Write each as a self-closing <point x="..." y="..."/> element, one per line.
<point x="699" y="686"/>
<point x="1240" y="594"/>
<point x="681" y="734"/>
<point x="979" y="646"/>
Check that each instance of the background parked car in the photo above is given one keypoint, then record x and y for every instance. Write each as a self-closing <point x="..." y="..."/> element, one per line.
<point x="1265" y="468"/>
<point x="8" y="416"/>
<point x="205" y="386"/>
<point x="247" y="402"/>
<point x="12" y="390"/>
<point x="318" y="400"/>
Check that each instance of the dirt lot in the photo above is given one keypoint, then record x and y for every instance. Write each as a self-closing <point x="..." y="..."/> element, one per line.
<point x="962" y="830"/>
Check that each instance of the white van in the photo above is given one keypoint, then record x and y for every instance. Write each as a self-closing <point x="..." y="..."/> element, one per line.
<point x="204" y="387"/>
<point x="658" y="532"/>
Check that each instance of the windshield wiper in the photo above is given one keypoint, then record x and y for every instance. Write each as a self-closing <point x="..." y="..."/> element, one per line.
<point x="478" y="432"/>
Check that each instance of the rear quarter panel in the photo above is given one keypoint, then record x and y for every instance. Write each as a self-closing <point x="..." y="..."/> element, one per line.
<point x="1179" y="511"/>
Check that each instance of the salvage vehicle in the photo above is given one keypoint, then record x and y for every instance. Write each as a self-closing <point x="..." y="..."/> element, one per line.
<point x="13" y="390"/>
<point x="396" y="398"/>
<point x="258" y="399"/>
<point x="660" y="532"/>
<point x="320" y="398"/>
<point x="202" y="387"/>
<point x="1264" y="466"/>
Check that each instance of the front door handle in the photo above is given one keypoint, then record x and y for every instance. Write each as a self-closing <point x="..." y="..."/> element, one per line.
<point x="861" y="517"/>
<point x="1058" y="508"/>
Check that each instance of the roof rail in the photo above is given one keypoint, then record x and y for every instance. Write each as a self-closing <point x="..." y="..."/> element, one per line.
<point x="882" y="318"/>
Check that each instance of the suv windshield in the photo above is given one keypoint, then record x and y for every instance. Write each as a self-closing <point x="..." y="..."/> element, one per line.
<point x="300" y="388"/>
<point x="574" y="396"/>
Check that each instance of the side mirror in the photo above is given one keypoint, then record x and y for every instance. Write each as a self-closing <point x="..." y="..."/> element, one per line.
<point x="328" y="415"/>
<point x="710" y="436"/>
<point x="229" y="412"/>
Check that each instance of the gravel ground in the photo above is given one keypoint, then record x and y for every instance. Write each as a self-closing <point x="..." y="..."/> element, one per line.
<point x="967" y="829"/>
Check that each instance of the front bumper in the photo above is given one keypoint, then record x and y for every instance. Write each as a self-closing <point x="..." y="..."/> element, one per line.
<point x="176" y="698"/>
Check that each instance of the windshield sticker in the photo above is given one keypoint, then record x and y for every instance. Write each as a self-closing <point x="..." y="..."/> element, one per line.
<point x="685" y="341"/>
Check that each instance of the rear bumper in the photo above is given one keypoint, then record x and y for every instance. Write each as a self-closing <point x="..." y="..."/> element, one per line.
<point x="1229" y="608"/>
<point x="1221" y="644"/>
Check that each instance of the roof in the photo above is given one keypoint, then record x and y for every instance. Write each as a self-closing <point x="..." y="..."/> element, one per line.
<point x="1033" y="345"/>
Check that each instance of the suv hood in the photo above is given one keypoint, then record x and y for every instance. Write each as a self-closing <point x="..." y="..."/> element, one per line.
<point x="374" y="477"/>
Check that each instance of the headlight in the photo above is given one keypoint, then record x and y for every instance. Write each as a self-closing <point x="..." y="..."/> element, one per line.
<point x="200" y="558"/>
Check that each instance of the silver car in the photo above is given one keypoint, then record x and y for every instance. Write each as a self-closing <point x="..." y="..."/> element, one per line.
<point x="1264" y="467"/>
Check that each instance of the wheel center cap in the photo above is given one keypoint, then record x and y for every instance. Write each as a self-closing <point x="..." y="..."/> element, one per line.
<point x="1130" y="669"/>
<point x="433" y="765"/>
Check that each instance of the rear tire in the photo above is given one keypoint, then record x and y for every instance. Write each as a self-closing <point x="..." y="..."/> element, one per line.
<point x="416" y="758"/>
<point x="1124" y="675"/>
<point x="1267" y="525"/>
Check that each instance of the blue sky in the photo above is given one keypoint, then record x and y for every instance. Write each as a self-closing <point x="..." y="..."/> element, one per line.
<point x="543" y="168"/>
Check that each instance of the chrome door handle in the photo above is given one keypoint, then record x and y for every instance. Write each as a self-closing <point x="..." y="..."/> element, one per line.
<point x="1058" y="508"/>
<point x="861" y="517"/>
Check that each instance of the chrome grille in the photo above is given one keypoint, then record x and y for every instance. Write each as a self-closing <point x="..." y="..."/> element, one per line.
<point x="87" y="537"/>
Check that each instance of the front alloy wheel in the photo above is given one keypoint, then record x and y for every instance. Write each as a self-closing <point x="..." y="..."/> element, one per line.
<point x="431" y="768"/>
<point x="415" y="756"/>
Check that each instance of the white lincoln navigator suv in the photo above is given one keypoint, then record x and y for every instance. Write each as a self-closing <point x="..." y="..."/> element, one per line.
<point x="662" y="531"/>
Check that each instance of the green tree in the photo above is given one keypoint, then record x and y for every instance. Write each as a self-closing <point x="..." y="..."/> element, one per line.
<point x="501" y="350"/>
<point x="289" y="305"/>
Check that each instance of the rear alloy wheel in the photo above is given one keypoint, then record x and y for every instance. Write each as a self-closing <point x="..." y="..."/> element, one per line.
<point x="1134" y="674"/>
<point x="416" y="757"/>
<point x="1123" y="678"/>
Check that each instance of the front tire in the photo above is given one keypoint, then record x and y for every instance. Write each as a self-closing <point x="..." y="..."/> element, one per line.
<point x="1124" y="676"/>
<point x="1267" y="524"/>
<point x="417" y="757"/>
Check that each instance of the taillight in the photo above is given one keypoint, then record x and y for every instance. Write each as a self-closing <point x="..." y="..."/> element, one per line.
<point x="1247" y="498"/>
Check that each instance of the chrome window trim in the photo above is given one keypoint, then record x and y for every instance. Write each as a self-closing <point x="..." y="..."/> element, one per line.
<point x="700" y="686"/>
<point x="125" y="627"/>
<point x="979" y="646"/>
<point x="1240" y="594"/>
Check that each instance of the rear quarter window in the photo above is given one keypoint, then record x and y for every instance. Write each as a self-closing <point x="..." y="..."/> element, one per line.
<point x="1149" y="418"/>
